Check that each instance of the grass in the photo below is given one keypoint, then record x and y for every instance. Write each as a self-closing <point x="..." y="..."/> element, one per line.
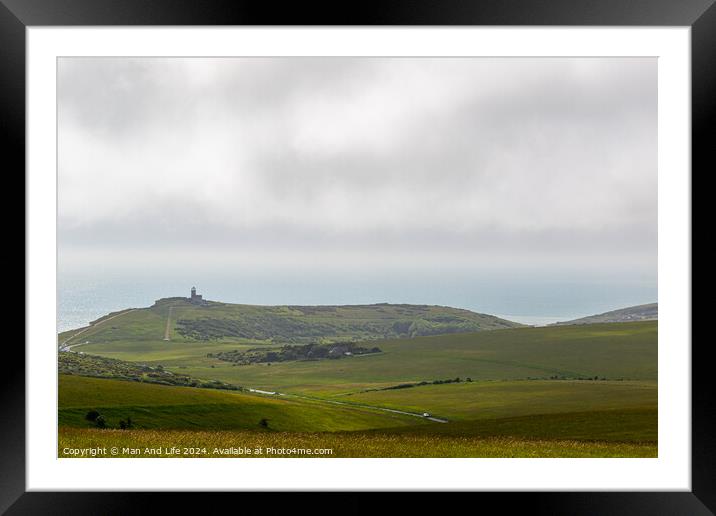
<point x="622" y="425"/>
<point x="524" y="400"/>
<point x="102" y="367"/>
<point x="498" y="399"/>
<point x="622" y="350"/>
<point x="142" y="330"/>
<point x="154" y="406"/>
<point x="525" y="409"/>
<point x="149" y="443"/>
<point x="317" y="324"/>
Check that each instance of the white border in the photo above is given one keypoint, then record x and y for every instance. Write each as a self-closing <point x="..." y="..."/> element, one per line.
<point x="671" y="471"/>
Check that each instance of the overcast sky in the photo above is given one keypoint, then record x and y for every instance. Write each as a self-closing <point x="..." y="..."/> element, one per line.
<point x="511" y="164"/>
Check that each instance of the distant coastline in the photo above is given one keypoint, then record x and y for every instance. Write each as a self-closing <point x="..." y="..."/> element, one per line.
<point x="534" y="320"/>
<point x="84" y="297"/>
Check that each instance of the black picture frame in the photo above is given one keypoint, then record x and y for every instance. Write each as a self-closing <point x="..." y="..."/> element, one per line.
<point x="16" y="15"/>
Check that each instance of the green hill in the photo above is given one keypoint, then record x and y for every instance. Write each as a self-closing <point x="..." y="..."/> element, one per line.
<point x="169" y="407"/>
<point x="648" y="312"/>
<point x="81" y="364"/>
<point x="311" y="324"/>
<point x="171" y="323"/>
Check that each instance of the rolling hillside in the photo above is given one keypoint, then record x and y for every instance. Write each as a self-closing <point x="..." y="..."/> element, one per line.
<point x="491" y="419"/>
<point x="648" y="312"/>
<point x="624" y="351"/>
<point x="172" y="323"/>
<point x="567" y="391"/>
<point x="153" y="406"/>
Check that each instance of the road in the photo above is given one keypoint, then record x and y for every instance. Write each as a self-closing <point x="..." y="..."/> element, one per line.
<point x="169" y="320"/>
<point x="65" y="347"/>
<point x="354" y="405"/>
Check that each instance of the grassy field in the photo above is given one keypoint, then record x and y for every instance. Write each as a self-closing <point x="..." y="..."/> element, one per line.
<point x="148" y="443"/>
<point x="612" y="351"/>
<point x="164" y="407"/>
<point x="560" y="391"/>
<point x="597" y="411"/>
<point x="621" y="425"/>
<point x="497" y="399"/>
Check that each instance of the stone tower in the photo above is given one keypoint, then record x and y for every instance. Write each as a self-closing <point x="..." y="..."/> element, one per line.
<point x="196" y="298"/>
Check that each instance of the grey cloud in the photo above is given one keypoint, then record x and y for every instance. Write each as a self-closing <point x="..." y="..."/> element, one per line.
<point x="485" y="157"/>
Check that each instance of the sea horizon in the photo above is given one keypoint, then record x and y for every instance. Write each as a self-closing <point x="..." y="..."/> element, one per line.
<point x="82" y="298"/>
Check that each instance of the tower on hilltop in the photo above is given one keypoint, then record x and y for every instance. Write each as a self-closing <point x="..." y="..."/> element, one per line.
<point x="195" y="298"/>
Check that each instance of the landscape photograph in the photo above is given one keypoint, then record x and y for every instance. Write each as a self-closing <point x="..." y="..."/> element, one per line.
<point x="354" y="257"/>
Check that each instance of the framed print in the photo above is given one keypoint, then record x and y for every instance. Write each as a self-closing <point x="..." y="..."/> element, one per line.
<point x="440" y="249"/>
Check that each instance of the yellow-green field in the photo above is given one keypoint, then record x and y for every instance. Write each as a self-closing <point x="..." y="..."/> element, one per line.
<point x="168" y="443"/>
